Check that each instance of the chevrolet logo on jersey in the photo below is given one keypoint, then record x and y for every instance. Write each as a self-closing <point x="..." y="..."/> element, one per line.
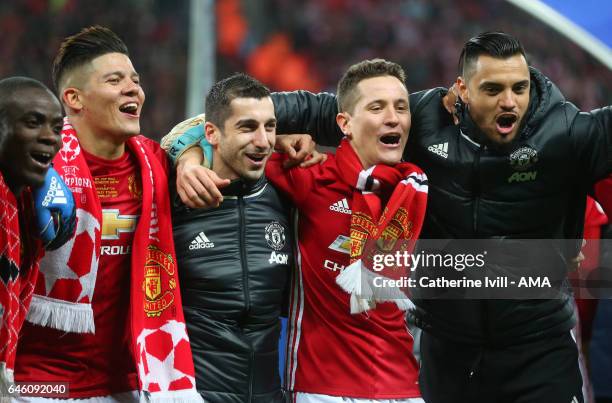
<point x="113" y="223"/>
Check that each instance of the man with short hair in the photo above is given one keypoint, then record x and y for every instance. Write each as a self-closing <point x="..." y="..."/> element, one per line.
<point x="107" y="317"/>
<point x="333" y="355"/>
<point x="30" y="125"/>
<point x="234" y="260"/>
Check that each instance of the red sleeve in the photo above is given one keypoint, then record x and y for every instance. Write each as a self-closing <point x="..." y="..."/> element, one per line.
<point x="296" y="183"/>
<point x="593" y="220"/>
<point x="603" y="194"/>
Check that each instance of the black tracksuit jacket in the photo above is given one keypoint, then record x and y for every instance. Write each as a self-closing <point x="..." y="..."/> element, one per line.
<point x="233" y="264"/>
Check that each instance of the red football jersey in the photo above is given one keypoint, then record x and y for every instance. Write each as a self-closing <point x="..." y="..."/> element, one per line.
<point x="329" y="350"/>
<point x="102" y="363"/>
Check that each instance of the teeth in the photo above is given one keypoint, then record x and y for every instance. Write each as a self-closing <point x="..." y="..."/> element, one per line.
<point x="129" y="107"/>
<point x="44" y="155"/>
<point x="256" y="157"/>
<point x="41" y="157"/>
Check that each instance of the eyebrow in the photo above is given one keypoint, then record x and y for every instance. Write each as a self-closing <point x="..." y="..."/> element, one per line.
<point x="384" y="101"/>
<point x="521" y="83"/>
<point x="41" y="116"/>
<point x="490" y="84"/>
<point x="252" y="122"/>
<point x="493" y="84"/>
<point x="119" y="73"/>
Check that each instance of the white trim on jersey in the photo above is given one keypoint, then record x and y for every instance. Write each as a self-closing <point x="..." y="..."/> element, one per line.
<point x="295" y="314"/>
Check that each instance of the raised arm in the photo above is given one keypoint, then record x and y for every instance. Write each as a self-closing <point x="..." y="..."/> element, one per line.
<point x="305" y="112"/>
<point x="315" y="114"/>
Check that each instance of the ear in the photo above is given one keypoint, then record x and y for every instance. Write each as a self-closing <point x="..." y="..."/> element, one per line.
<point x="72" y="99"/>
<point x="212" y="133"/>
<point x="461" y="85"/>
<point x="343" y="119"/>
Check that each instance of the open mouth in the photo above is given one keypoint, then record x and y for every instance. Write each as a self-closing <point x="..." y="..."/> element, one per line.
<point x="257" y="158"/>
<point x="43" y="159"/>
<point x="390" y="139"/>
<point x="131" y="108"/>
<point x="505" y="123"/>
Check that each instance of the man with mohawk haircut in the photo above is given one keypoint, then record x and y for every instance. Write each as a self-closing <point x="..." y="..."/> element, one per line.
<point x="106" y="317"/>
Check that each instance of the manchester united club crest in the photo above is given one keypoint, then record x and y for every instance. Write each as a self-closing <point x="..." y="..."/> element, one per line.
<point x="159" y="283"/>
<point x="523" y="158"/>
<point x="275" y="235"/>
<point x="362" y="226"/>
<point x="399" y="228"/>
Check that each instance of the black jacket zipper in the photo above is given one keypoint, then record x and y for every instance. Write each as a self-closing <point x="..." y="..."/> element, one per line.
<point x="476" y="189"/>
<point x="245" y="280"/>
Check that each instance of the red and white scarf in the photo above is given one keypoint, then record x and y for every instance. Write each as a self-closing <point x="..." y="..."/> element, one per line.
<point x="66" y="284"/>
<point x="20" y="254"/>
<point x="388" y="209"/>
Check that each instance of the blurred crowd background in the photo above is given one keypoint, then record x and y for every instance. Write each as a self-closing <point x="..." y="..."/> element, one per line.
<point x="292" y="44"/>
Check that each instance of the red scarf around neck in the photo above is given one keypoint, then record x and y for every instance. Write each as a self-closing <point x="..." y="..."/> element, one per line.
<point x="67" y="278"/>
<point x="388" y="209"/>
<point x="20" y="254"/>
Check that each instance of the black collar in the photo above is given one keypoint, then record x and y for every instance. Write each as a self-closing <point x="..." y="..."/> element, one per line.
<point x="243" y="187"/>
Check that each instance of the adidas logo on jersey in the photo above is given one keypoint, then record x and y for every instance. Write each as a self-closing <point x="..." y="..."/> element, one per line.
<point x="440" y="149"/>
<point x="201" y="241"/>
<point x="55" y="194"/>
<point x="341" y="206"/>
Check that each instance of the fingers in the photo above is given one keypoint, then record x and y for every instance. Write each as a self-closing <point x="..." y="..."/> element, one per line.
<point x="220" y="183"/>
<point x="317" y="158"/>
<point x="307" y="143"/>
<point x="190" y="198"/>
<point x="205" y="189"/>
<point x="301" y="156"/>
<point x="202" y="193"/>
<point x="298" y="148"/>
<point x="574" y="264"/>
<point x="198" y="187"/>
<point x="286" y="144"/>
<point x="449" y="101"/>
<point x="291" y="151"/>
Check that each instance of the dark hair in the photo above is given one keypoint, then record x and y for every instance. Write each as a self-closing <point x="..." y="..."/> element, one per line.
<point x="347" y="86"/>
<point x="496" y="44"/>
<point x="223" y="92"/>
<point x="8" y="89"/>
<point x="82" y="48"/>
